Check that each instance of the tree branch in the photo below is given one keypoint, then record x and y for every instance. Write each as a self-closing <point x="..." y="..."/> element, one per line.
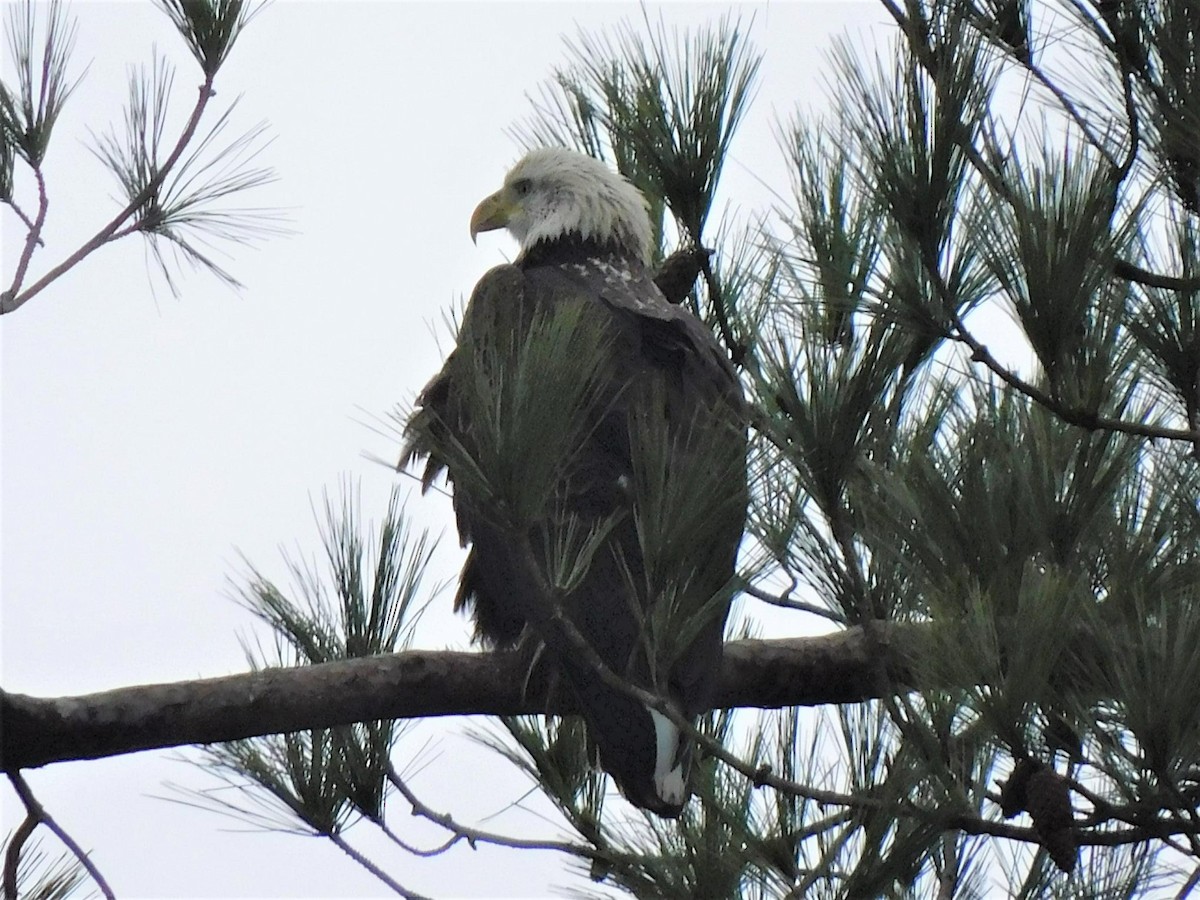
<point x="473" y="836"/>
<point x="1130" y="272"/>
<point x="1081" y="418"/>
<point x="835" y="668"/>
<point x="10" y="300"/>
<point x="399" y="889"/>
<point x="12" y="853"/>
<point x="33" y="236"/>
<point x="36" y="815"/>
<point x="1071" y="415"/>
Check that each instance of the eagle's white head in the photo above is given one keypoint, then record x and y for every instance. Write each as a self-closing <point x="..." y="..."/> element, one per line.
<point x="554" y="192"/>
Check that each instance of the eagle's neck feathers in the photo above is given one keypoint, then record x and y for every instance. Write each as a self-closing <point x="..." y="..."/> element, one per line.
<point x="574" y="248"/>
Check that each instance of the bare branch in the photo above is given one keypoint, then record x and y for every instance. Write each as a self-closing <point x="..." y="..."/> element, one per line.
<point x="38" y="813"/>
<point x="786" y="601"/>
<point x="1079" y="417"/>
<point x="33" y="236"/>
<point x="341" y="843"/>
<point x="12" y="854"/>
<point x="1130" y="272"/>
<point x="460" y="832"/>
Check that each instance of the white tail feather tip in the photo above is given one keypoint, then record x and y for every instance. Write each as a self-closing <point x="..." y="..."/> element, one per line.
<point x="669" y="781"/>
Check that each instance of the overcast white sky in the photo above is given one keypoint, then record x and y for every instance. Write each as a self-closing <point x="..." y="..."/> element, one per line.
<point x="148" y="440"/>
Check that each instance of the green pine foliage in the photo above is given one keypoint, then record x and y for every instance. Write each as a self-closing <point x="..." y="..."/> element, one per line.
<point x="1039" y="518"/>
<point x="1034" y="511"/>
<point x="184" y="193"/>
<point x="367" y="601"/>
<point x="39" y="876"/>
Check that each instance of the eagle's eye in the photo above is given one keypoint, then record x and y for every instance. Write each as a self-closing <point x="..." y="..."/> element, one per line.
<point x="521" y="187"/>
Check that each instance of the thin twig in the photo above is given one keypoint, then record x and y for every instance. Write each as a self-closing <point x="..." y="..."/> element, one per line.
<point x="1189" y="885"/>
<point x="785" y="601"/>
<point x="948" y="877"/>
<point x="11" y="301"/>
<point x="23" y="216"/>
<point x="12" y="856"/>
<point x="1071" y="110"/>
<point x="1130" y="272"/>
<point x="1188" y="810"/>
<point x="472" y="835"/>
<point x="35" y="809"/>
<point x="383" y="876"/>
<point x="1073" y="416"/>
<point x="1081" y="418"/>
<point x="412" y="849"/>
<point x="737" y="350"/>
<point x="34" y="236"/>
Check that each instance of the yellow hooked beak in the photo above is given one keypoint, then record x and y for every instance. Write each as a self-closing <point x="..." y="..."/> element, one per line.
<point x="493" y="212"/>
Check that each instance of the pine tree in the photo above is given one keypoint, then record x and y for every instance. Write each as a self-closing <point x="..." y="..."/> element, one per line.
<point x="971" y="331"/>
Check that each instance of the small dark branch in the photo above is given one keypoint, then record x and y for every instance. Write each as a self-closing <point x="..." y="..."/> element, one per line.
<point x="33" y="237"/>
<point x="843" y="535"/>
<point x="1186" y="808"/>
<point x="414" y="850"/>
<point x="24" y="217"/>
<point x="11" y="301"/>
<point x="1104" y="809"/>
<point x="1130" y="272"/>
<point x="948" y="877"/>
<point x="399" y="889"/>
<point x="12" y="855"/>
<point x="36" y="811"/>
<point x="1189" y="885"/>
<point x="1145" y="820"/>
<point x="1077" y="417"/>
<point x="473" y="836"/>
<point x="968" y="823"/>
<point x="1131" y="114"/>
<point x="737" y="350"/>
<point x="1072" y="111"/>
<point x="764" y="776"/>
<point x="785" y="601"/>
<point x="131" y="228"/>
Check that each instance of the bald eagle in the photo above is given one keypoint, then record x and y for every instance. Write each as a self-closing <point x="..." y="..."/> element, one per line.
<point x="594" y="435"/>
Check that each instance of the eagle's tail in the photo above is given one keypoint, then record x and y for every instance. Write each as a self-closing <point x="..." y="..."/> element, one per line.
<point x="645" y="752"/>
<point x="672" y="760"/>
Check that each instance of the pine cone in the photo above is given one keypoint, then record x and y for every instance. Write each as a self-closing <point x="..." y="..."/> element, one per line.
<point x="677" y="273"/>
<point x="1048" y="800"/>
<point x="1014" y="791"/>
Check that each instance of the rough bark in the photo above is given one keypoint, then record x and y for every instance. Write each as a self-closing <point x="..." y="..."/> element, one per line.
<point x="845" y="667"/>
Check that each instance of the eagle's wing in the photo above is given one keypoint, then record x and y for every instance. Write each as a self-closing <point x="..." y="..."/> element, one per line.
<point x="441" y="424"/>
<point x="433" y="411"/>
<point x="657" y="471"/>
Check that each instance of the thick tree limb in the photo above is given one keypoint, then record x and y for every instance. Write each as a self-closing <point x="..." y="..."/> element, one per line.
<point x="836" y="668"/>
